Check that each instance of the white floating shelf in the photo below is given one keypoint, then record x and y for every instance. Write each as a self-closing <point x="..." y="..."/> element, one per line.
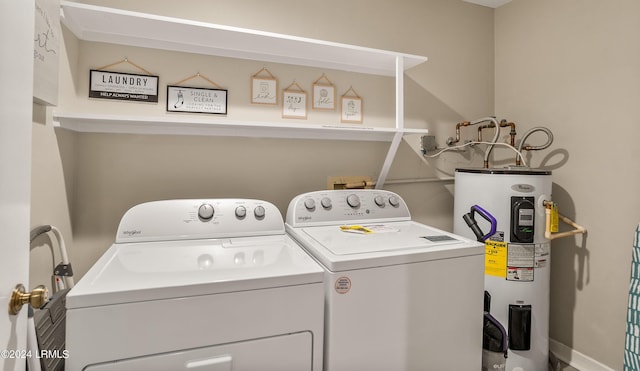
<point x="170" y="125"/>
<point x="117" y="26"/>
<point x="95" y="23"/>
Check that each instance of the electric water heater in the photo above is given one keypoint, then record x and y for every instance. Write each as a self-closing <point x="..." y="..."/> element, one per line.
<point x="505" y="209"/>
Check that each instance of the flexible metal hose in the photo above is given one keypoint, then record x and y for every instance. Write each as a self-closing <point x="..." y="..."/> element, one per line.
<point x="521" y="146"/>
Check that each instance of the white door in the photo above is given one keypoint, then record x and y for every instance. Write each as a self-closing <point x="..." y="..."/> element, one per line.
<point x="16" y="96"/>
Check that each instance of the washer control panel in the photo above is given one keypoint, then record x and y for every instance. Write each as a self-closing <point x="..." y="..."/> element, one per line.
<point x="346" y="206"/>
<point x="171" y="220"/>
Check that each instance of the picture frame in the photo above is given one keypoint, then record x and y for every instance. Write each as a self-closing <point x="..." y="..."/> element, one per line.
<point x="196" y="100"/>
<point x="264" y="89"/>
<point x="109" y="85"/>
<point x="351" y="108"/>
<point x="46" y="50"/>
<point x="323" y="94"/>
<point x="294" y="102"/>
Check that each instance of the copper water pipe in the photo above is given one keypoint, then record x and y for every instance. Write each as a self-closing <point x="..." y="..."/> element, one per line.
<point x="512" y="132"/>
<point x="450" y="140"/>
<point x="512" y="136"/>
<point x="496" y="125"/>
<point x="503" y="124"/>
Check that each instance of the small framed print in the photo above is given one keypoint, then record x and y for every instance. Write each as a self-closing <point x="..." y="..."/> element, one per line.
<point x="264" y="89"/>
<point x="324" y="97"/>
<point x="294" y="102"/>
<point x="351" y="107"/>
<point x="196" y="100"/>
<point x="324" y="94"/>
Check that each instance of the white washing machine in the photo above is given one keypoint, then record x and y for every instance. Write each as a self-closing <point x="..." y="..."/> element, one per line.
<point x="399" y="295"/>
<point x="199" y="285"/>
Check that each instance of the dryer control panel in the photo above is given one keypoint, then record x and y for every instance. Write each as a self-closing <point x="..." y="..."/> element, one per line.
<point x="171" y="220"/>
<point x="346" y="207"/>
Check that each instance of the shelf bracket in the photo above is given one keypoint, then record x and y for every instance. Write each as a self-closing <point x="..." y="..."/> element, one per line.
<point x="391" y="154"/>
<point x="397" y="138"/>
<point x="399" y="92"/>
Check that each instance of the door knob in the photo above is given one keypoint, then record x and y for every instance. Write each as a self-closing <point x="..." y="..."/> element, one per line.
<point x="37" y="298"/>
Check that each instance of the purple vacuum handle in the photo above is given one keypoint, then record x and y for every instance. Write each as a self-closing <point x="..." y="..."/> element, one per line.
<point x="469" y="218"/>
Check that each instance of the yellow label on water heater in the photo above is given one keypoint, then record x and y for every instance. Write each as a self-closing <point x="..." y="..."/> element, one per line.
<point x="554" y="219"/>
<point x="495" y="258"/>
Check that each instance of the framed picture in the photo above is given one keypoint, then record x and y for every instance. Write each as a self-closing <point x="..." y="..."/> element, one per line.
<point x="264" y="89"/>
<point x="324" y="94"/>
<point x="123" y="86"/>
<point x="294" y="102"/>
<point x="46" y="48"/>
<point x="351" y="107"/>
<point x="196" y="100"/>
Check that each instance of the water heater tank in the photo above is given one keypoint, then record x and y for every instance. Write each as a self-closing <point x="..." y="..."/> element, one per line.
<point x="517" y="259"/>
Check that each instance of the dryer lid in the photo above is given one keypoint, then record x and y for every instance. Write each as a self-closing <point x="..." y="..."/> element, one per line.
<point x="164" y="270"/>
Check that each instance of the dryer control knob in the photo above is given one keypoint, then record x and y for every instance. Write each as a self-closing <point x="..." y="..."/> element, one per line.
<point x="353" y="200"/>
<point x="379" y="200"/>
<point x="241" y="211"/>
<point x="205" y="212"/>
<point x="326" y="202"/>
<point x="393" y="201"/>
<point x="310" y="204"/>
<point x="259" y="212"/>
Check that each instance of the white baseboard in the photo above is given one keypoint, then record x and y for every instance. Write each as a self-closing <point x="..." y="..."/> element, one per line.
<point x="574" y="358"/>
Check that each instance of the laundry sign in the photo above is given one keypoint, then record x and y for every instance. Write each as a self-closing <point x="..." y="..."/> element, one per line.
<point x="123" y="86"/>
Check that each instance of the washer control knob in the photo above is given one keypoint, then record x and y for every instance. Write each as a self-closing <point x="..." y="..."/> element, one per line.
<point x="379" y="200"/>
<point x="394" y="201"/>
<point x="326" y="202"/>
<point x="310" y="204"/>
<point x="205" y="212"/>
<point x="241" y="211"/>
<point x="259" y="212"/>
<point x="353" y="200"/>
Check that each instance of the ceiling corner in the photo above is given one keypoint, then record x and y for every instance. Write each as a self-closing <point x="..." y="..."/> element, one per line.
<point x="489" y="3"/>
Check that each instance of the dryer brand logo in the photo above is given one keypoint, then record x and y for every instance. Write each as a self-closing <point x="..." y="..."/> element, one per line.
<point x="304" y="218"/>
<point x="525" y="188"/>
<point x="131" y="233"/>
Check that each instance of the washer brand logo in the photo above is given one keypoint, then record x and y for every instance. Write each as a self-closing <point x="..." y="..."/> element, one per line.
<point x="304" y="218"/>
<point x="525" y="188"/>
<point x="132" y="233"/>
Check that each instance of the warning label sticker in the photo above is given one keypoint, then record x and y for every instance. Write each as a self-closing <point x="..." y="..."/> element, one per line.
<point x="521" y="255"/>
<point x="495" y="258"/>
<point x="520" y="274"/>
<point x="521" y="262"/>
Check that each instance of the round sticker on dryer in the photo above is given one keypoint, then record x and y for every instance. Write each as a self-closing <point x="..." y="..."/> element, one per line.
<point x="343" y="285"/>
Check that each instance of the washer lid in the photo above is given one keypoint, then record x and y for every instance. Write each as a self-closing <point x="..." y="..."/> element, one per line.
<point x="366" y="246"/>
<point x="146" y="271"/>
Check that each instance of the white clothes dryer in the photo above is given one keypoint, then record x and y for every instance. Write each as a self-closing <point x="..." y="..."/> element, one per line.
<point x="399" y="295"/>
<point x="198" y="285"/>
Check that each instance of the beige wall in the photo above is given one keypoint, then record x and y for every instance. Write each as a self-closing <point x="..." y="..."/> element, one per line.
<point x="573" y="66"/>
<point x="85" y="182"/>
